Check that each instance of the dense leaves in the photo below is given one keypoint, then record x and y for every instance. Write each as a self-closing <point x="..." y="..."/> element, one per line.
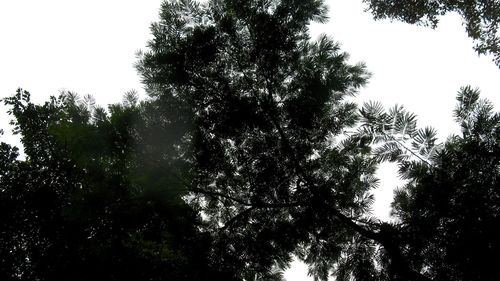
<point x="246" y="154"/>
<point x="265" y="103"/>
<point x="447" y="213"/>
<point x="450" y="209"/>
<point x="271" y="169"/>
<point x="92" y="202"/>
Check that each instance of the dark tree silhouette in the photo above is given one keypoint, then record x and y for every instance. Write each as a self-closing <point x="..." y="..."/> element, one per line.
<point x="246" y="153"/>
<point x="447" y="213"/>
<point x="481" y="18"/>
<point x="450" y="209"/>
<point x="267" y="110"/>
<point x="90" y="201"/>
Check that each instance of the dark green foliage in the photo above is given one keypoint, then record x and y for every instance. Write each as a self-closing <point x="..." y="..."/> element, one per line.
<point x="92" y="201"/>
<point x="447" y="223"/>
<point x="481" y="18"/>
<point x="265" y="103"/>
<point x="450" y="209"/>
<point x="241" y="158"/>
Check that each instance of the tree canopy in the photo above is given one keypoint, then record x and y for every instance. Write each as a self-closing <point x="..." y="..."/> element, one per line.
<point x="246" y="153"/>
<point x="265" y="103"/>
<point x="91" y="201"/>
<point x="453" y="204"/>
<point x="447" y="212"/>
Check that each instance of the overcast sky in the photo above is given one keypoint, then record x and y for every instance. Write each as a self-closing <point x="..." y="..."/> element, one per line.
<point x="89" y="47"/>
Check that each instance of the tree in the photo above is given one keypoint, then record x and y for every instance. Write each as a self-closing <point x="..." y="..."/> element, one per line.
<point x="447" y="213"/>
<point x="481" y="18"/>
<point x="246" y="153"/>
<point x="90" y="201"/>
<point x="459" y="197"/>
<point x="270" y="167"/>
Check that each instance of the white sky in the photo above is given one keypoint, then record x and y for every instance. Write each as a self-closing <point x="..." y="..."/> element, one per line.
<point x="89" y="47"/>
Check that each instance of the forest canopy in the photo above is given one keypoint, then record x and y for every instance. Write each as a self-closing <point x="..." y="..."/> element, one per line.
<point x="246" y="153"/>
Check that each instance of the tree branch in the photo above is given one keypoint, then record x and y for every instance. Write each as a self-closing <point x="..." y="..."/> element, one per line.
<point x="262" y="206"/>
<point x="192" y="188"/>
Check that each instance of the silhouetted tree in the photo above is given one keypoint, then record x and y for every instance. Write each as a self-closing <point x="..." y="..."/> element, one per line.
<point x="453" y="204"/>
<point x="447" y="223"/>
<point x="246" y="153"/>
<point x="267" y="111"/>
<point x="91" y="201"/>
<point x="481" y="18"/>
